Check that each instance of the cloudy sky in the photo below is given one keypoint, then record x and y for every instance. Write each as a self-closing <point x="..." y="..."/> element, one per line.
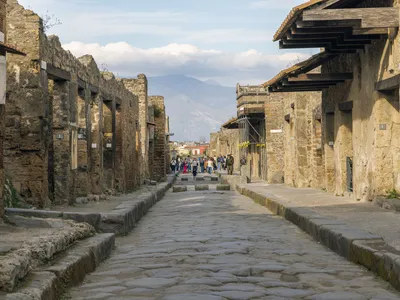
<point x="228" y="41"/>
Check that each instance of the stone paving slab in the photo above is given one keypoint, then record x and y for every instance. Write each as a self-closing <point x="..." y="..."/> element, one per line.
<point x="222" y="246"/>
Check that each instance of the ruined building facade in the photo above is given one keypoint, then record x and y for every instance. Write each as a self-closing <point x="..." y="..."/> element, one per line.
<point x="70" y="130"/>
<point x="343" y="127"/>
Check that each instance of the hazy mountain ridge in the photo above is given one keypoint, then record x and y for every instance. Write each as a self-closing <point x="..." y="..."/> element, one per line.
<point x="196" y="108"/>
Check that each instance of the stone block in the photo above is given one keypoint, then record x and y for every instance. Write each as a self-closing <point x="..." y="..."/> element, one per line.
<point x="179" y="189"/>
<point x="44" y="214"/>
<point x="92" y="219"/>
<point x="185" y="179"/>
<point x="214" y="178"/>
<point x="367" y="253"/>
<point x="201" y="187"/>
<point x="223" y="187"/>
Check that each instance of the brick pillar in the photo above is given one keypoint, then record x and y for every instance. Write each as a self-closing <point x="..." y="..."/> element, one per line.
<point x="96" y="145"/>
<point x="159" y="138"/>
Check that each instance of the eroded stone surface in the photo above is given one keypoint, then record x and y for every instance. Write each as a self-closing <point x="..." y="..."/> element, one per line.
<point x="224" y="246"/>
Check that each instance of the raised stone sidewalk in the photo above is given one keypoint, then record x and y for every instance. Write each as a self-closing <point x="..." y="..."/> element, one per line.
<point x="56" y="249"/>
<point x="361" y="232"/>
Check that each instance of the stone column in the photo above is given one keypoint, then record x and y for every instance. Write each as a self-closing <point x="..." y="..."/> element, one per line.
<point x="159" y="138"/>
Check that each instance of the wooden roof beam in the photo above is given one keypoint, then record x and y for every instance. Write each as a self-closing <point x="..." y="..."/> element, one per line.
<point x="377" y="17"/>
<point x="322" y="77"/>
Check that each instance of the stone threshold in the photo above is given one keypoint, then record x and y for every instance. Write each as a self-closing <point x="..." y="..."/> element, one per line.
<point x="121" y="220"/>
<point x="356" y="245"/>
<point x="50" y="282"/>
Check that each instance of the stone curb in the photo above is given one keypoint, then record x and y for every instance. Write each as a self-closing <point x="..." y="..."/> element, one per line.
<point x="356" y="245"/>
<point x="49" y="283"/>
<point x="120" y="221"/>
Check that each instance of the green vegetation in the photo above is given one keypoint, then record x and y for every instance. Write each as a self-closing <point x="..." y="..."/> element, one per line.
<point x="393" y="194"/>
<point x="11" y="197"/>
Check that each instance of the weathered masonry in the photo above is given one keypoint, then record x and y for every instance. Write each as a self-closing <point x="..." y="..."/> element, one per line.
<point x="226" y="141"/>
<point x="11" y="50"/>
<point x="70" y="130"/>
<point x="160" y="138"/>
<point x="251" y="124"/>
<point x="360" y="120"/>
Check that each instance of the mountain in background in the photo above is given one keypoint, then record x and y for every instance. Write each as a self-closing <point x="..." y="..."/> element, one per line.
<point x="195" y="108"/>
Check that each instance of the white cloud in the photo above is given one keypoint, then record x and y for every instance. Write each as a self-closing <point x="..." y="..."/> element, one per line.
<point x="226" y="67"/>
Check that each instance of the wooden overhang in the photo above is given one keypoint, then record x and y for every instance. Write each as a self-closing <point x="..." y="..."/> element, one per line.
<point x="231" y="124"/>
<point x="336" y="25"/>
<point x="298" y="78"/>
<point x="6" y="48"/>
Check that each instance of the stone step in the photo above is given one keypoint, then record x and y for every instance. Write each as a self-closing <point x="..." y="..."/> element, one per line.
<point x="49" y="282"/>
<point x="38" y="242"/>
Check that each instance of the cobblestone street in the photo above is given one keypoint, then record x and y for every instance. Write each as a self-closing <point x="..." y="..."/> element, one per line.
<point x="220" y="245"/>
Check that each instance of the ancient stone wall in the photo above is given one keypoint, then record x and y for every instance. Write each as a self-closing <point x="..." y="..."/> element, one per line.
<point x="368" y="133"/>
<point x="226" y="141"/>
<point x="275" y="138"/>
<point x="167" y="147"/>
<point x="2" y="106"/>
<point x="302" y="131"/>
<point x="139" y="87"/>
<point x="71" y="130"/>
<point x="160" y="155"/>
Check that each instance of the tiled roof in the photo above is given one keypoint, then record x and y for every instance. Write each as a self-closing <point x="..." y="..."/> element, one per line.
<point x="304" y="66"/>
<point x="294" y="13"/>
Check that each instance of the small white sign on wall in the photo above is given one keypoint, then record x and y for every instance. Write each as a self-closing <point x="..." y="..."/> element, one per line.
<point x="276" y="131"/>
<point x="94" y="146"/>
<point x="331" y="143"/>
<point x="3" y="75"/>
<point x="108" y="145"/>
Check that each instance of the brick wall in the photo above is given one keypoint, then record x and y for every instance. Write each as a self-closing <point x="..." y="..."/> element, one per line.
<point x="159" y="165"/>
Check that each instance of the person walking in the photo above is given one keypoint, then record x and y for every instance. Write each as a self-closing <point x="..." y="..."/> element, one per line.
<point x="185" y="166"/>
<point x="202" y="165"/>
<point x="219" y="162"/>
<point x="173" y="165"/>
<point x="209" y="165"/>
<point x="195" y="165"/>
<point x="230" y="161"/>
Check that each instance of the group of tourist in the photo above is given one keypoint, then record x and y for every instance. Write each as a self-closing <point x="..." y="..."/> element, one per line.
<point x="202" y="164"/>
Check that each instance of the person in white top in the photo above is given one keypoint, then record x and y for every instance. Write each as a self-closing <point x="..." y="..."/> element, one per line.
<point x="210" y="165"/>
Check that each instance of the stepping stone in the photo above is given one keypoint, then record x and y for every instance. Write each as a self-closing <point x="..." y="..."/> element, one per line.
<point x="223" y="187"/>
<point x="179" y="189"/>
<point x="184" y="179"/>
<point x="214" y="178"/>
<point x="202" y="187"/>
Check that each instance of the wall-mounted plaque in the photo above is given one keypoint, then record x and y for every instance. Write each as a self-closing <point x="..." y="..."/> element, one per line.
<point x="94" y="146"/>
<point x="108" y="145"/>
